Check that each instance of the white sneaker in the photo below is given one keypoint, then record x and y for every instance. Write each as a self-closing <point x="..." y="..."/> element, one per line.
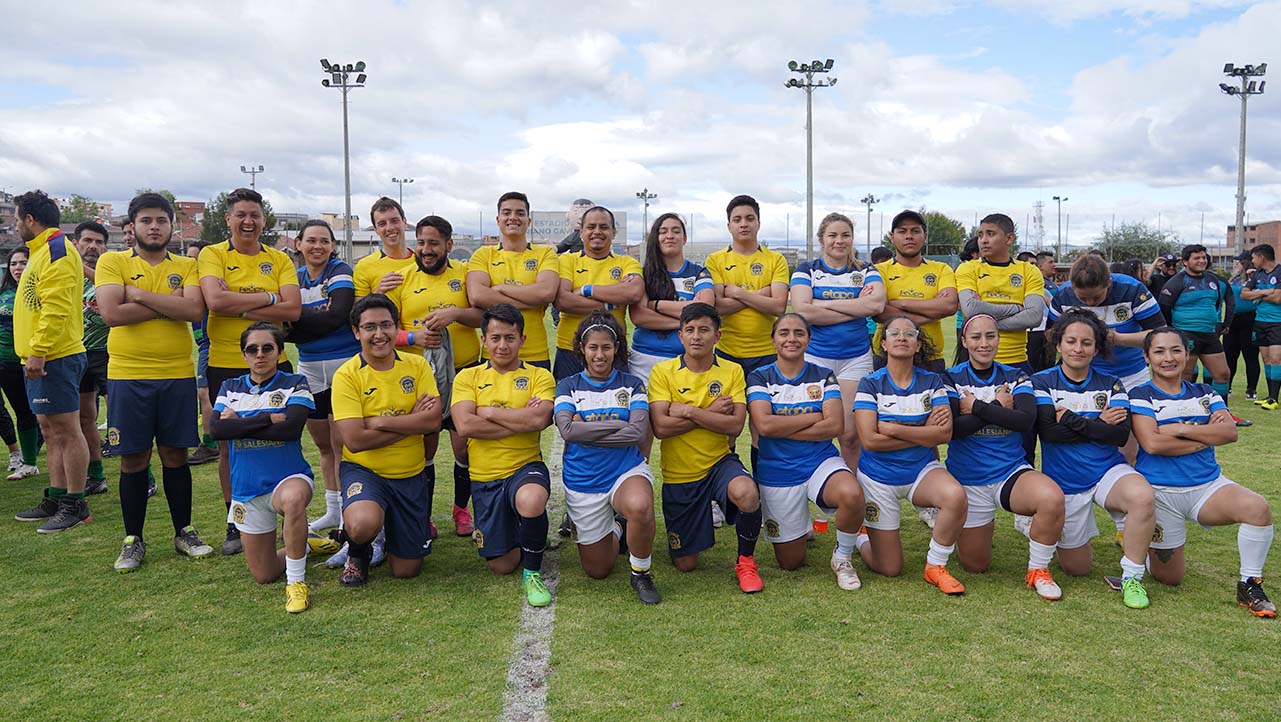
<point x="15" y="460"/>
<point x="718" y="516"/>
<point x="927" y="515"/>
<point x="1040" y="580"/>
<point x="24" y="471"/>
<point x="1023" y="524"/>
<point x="846" y="576"/>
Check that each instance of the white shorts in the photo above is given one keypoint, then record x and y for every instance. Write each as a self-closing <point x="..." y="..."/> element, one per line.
<point x="882" y="499"/>
<point x="257" y="516"/>
<point x="1178" y="504"/>
<point x="985" y="499"/>
<point x="320" y="374"/>
<point x="846" y="369"/>
<point x="1136" y="379"/>
<point x="593" y="514"/>
<point x="1078" y="520"/>
<point x="640" y="364"/>
<point x="784" y="508"/>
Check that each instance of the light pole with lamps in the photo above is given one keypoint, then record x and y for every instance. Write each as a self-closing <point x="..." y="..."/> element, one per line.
<point x="868" y="200"/>
<point x="253" y="175"/>
<point x="339" y="78"/>
<point x="808" y="85"/>
<point x="401" y="182"/>
<point x="1248" y="88"/>
<point x="645" y="197"/>
<point x="1058" y="251"/>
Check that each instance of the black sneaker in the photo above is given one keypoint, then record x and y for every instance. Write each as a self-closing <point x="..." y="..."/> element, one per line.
<point x="232" y="544"/>
<point x="355" y="573"/>
<point x="621" y="522"/>
<point x="105" y="448"/>
<point x="95" y="486"/>
<point x="47" y="507"/>
<point x="71" y="514"/>
<point x="1250" y="595"/>
<point x="566" y="529"/>
<point x="202" y="455"/>
<point x="643" y="583"/>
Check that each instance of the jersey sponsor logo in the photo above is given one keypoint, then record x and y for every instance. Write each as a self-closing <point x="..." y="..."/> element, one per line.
<point x="277" y="398"/>
<point x="714" y="388"/>
<point x="1121" y="312"/>
<point x="930" y="279"/>
<point x="580" y="270"/>
<point x="530" y="264"/>
<point x="731" y="267"/>
<point x="371" y="390"/>
<point x="873" y="512"/>
<point x="1101" y="400"/>
<point x="407" y="384"/>
<point x="623" y="397"/>
<point x="683" y="391"/>
<point x="113" y="436"/>
<point x="355" y="489"/>
<point x="137" y="276"/>
<point x="893" y="278"/>
<point x="757" y="269"/>
<point x="814" y="392"/>
<point x="771" y="528"/>
<point x="673" y="540"/>
<point x="616" y="273"/>
<point x="174" y="281"/>
<point x="233" y="268"/>
<point x="455" y="285"/>
<point x="238" y="513"/>
<point x="522" y="383"/>
<point x="484" y="386"/>
<point x="910" y="293"/>
<point x="498" y="263"/>
<point x="265" y="268"/>
<point x="1016" y="280"/>
<point x="984" y="275"/>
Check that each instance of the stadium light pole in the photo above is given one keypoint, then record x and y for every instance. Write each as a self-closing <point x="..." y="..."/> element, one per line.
<point x="339" y="77"/>
<point x="1248" y="88"/>
<point x="253" y="175"/>
<point x="645" y="197"/>
<point x="809" y="70"/>
<point x="401" y="193"/>
<point x="869" y="200"/>
<point x="1058" y="250"/>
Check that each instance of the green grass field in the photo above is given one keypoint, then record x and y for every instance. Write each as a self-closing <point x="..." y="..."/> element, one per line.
<point x="199" y="640"/>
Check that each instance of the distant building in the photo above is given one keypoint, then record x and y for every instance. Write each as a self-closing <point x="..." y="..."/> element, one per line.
<point x="1268" y="232"/>
<point x="550" y="227"/>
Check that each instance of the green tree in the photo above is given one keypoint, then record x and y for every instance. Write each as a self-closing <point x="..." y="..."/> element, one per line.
<point x="1133" y="240"/>
<point x="213" y="227"/>
<point x="169" y="196"/>
<point x="946" y="234"/>
<point x="80" y="209"/>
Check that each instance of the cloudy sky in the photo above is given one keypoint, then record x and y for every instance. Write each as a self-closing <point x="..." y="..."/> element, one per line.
<point x="963" y="107"/>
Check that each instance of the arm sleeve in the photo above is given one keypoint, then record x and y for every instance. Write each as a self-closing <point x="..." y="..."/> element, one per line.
<point x="240" y="427"/>
<point x="964" y="425"/>
<point x="972" y="305"/>
<point x="1169" y="297"/>
<point x="1020" y="418"/>
<point x="1049" y="429"/>
<point x="1229" y="305"/>
<point x="319" y="322"/>
<point x="288" y="430"/>
<point x="1099" y="431"/>
<point x="1030" y="317"/>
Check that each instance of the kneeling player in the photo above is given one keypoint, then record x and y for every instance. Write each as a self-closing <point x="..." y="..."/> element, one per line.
<point x="262" y="415"/>
<point x="500" y="407"/>
<point x="603" y="415"/>
<point x="1178" y="424"/>
<point x="697" y="406"/>
<point x="383" y="403"/>
<point x="796" y="412"/>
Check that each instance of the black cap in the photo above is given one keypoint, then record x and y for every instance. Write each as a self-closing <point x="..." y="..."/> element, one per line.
<point x="908" y="216"/>
<point x="1244" y="256"/>
<point x="1169" y="258"/>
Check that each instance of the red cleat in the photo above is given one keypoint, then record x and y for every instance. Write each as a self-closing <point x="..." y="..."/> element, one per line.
<point x="462" y="522"/>
<point x="749" y="577"/>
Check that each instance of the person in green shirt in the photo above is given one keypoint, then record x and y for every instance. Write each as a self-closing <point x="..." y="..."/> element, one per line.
<point x="91" y="242"/>
<point x="11" y="378"/>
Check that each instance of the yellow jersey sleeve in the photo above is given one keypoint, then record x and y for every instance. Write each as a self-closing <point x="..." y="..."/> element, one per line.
<point x="544" y="384"/>
<point x="345" y="396"/>
<point x="660" y="382"/>
<point x="479" y="261"/>
<point x="967" y="276"/>
<point x="109" y="271"/>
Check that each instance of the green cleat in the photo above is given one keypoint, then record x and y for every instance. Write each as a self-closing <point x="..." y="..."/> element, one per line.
<point x="1133" y="594"/>
<point x="535" y="591"/>
<point x="132" y="553"/>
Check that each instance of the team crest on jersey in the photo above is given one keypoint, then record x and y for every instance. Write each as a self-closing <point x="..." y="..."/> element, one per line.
<point x="455" y="285"/>
<point x="926" y="401"/>
<point x="407" y="384"/>
<point x="616" y="273"/>
<point x="277" y="398"/>
<point x="930" y="279"/>
<point x="478" y="538"/>
<point x="688" y="284"/>
<point x="873" y="512"/>
<point x="1158" y="534"/>
<point x="174" y="281"/>
<point x="673" y="540"/>
<point x="355" y="489"/>
<point x="714" y="388"/>
<point x="856" y="279"/>
<point x="623" y="397"/>
<point x="530" y="264"/>
<point x="238" y="513"/>
<point x="1205" y="402"/>
<point x="1122" y="313"/>
<point x="771" y="528"/>
<point x="113" y="436"/>
<point x="1016" y="280"/>
<point x="757" y="269"/>
<point x="814" y="392"/>
<point x="1101" y="400"/>
<point x="522" y="383"/>
<point x="265" y="268"/>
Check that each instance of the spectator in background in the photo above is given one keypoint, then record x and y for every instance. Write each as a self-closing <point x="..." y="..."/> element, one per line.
<point x="1239" y="340"/>
<point x="968" y="253"/>
<point x="1038" y="354"/>
<point x="573" y="241"/>
<point x="1162" y="269"/>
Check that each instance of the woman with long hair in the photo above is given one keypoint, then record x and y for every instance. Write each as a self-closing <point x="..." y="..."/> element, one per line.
<point x="671" y="283"/>
<point x="11" y="374"/>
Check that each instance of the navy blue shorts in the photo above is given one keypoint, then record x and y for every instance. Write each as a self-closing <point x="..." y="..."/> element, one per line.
<point x="94" y="380"/>
<point x="495" y="506"/>
<point x="404" y="505"/>
<point x="567" y="364"/>
<point x="58" y="391"/>
<point x="202" y="367"/>
<point x="749" y="363"/>
<point x="687" y="508"/>
<point x="140" y="411"/>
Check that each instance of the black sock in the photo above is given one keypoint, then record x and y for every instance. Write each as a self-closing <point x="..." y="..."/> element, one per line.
<point x="360" y="551"/>
<point x="133" y="501"/>
<point x="462" y="485"/>
<point x="1274" y="387"/>
<point x="532" y="534"/>
<point x="756" y="456"/>
<point x="177" y="483"/>
<point x="748" y="526"/>
<point x="430" y="473"/>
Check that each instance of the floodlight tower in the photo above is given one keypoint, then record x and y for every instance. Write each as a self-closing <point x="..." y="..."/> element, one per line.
<point x="809" y="70"/>
<point x="1248" y="87"/>
<point x="339" y="77"/>
<point x="253" y="172"/>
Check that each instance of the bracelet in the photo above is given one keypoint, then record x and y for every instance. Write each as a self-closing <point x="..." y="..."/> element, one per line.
<point x="411" y="338"/>
<point x="655" y="305"/>
<point x="587" y="291"/>
<point x="272" y="298"/>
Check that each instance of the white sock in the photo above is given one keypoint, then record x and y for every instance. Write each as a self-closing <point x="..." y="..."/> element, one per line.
<point x="639" y="564"/>
<point x="938" y="553"/>
<point x="295" y="569"/>
<point x="333" y="503"/>
<point x="1252" y="543"/>
<point x="1131" y="570"/>
<point x="860" y="540"/>
<point x="845" y="543"/>
<point x="1039" y="555"/>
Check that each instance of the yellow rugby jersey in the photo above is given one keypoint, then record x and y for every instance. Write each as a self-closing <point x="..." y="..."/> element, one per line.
<point x="746" y="333"/>
<point x="691" y="455"/>
<point x="1004" y="284"/>
<point x="267" y="270"/>
<point x="155" y="349"/>
<point x="917" y="284"/>
<point x="494" y="459"/>
<point x="520" y="268"/>
<point x="581" y="270"/>
<point x="369" y="270"/>
<point x="360" y="391"/>
<point x="422" y="293"/>
<point x="48" y="312"/>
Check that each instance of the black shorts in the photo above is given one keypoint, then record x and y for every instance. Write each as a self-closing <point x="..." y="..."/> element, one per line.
<point x="324" y="401"/>
<point x="567" y="364"/>
<point x="1204" y="344"/>
<point x="94" y="380"/>
<point x="749" y="363"/>
<point x="687" y="508"/>
<point x="495" y="506"/>
<point x="218" y="374"/>
<point x="1267" y="334"/>
<point x="404" y="504"/>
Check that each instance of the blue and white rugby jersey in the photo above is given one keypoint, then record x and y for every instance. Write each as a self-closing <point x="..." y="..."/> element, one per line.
<point x="1077" y="467"/>
<point x="341" y="344"/>
<point x="847" y="339"/>
<point x="912" y="405"/>
<point x="1192" y="405"/>
<point x="783" y="461"/>
<point x="991" y="454"/>
<point x="690" y="280"/>
<point x="257" y="466"/>
<point x="1125" y="308"/>
<point x="594" y="469"/>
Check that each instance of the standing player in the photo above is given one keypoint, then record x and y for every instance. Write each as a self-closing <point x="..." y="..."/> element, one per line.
<point x="1008" y="290"/>
<point x="384" y="270"/>
<point x="500" y="407"/>
<point x="836" y="296"/>
<point x="1202" y="305"/>
<point x="992" y="406"/>
<point x="518" y="273"/>
<point x="208" y="449"/>
<point x="11" y="373"/>
<point x="1238" y="343"/>
<point x="262" y="415"/>
<point x="148" y="296"/>
<point x="671" y="283"/>
<point x="903" y="414"/>
<point x="48" y="337"/>
<point x="796" y="411"/>
<point x="697" y="405"/>
<point x="1037" y="352"/>
<point x="242" y="281"/>
<point x="1083" y="419"/>
<point x="593" y="279"/>
<point x="1264" y="288"/>
<point x="91" y="243"/>
<point x="1178" y="424"/>
<point x="916" y="287"/>
<point x="602" y="413"/>
<point x="383" y="403"/>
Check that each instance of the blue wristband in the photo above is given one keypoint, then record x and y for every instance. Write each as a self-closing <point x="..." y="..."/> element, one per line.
<point x="587" y="291"/>
<point x="411" y="338"/>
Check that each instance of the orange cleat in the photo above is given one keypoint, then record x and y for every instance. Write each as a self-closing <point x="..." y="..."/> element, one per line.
<point x="462" y="522"/>
<point x="1043" y="583"/>
<point x="938" y="575"/>
<point x="749" y="577"/>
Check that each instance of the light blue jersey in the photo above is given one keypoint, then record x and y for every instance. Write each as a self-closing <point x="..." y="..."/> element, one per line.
<point x="1127" y="308"/>
<point x="790" y="462"/>
<point x="1078" y="466"/>
<point x="993" y="453"/>
<point x="1200" y="304"/>
<point x="847" y="339"/>
<point x="341" y="343"/>
<point x="690" y="280"/>
<point x="911" y="406"/>
<point x="1192" y="405"/>
<point x="257" y="465"/>
<point x="594" y="469"/>
<point x="1262" y="280"/>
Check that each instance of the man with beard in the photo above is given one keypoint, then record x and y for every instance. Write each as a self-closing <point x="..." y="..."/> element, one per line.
<point x="242" y="281"/>
<point x="91" y="242"/>
<point x="916" y="287"/>
<point x="148" y="296"/>
<point x="384" y="270"/>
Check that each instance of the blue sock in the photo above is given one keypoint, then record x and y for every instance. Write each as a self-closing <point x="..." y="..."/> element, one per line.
<point x="1220" y="388"/>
